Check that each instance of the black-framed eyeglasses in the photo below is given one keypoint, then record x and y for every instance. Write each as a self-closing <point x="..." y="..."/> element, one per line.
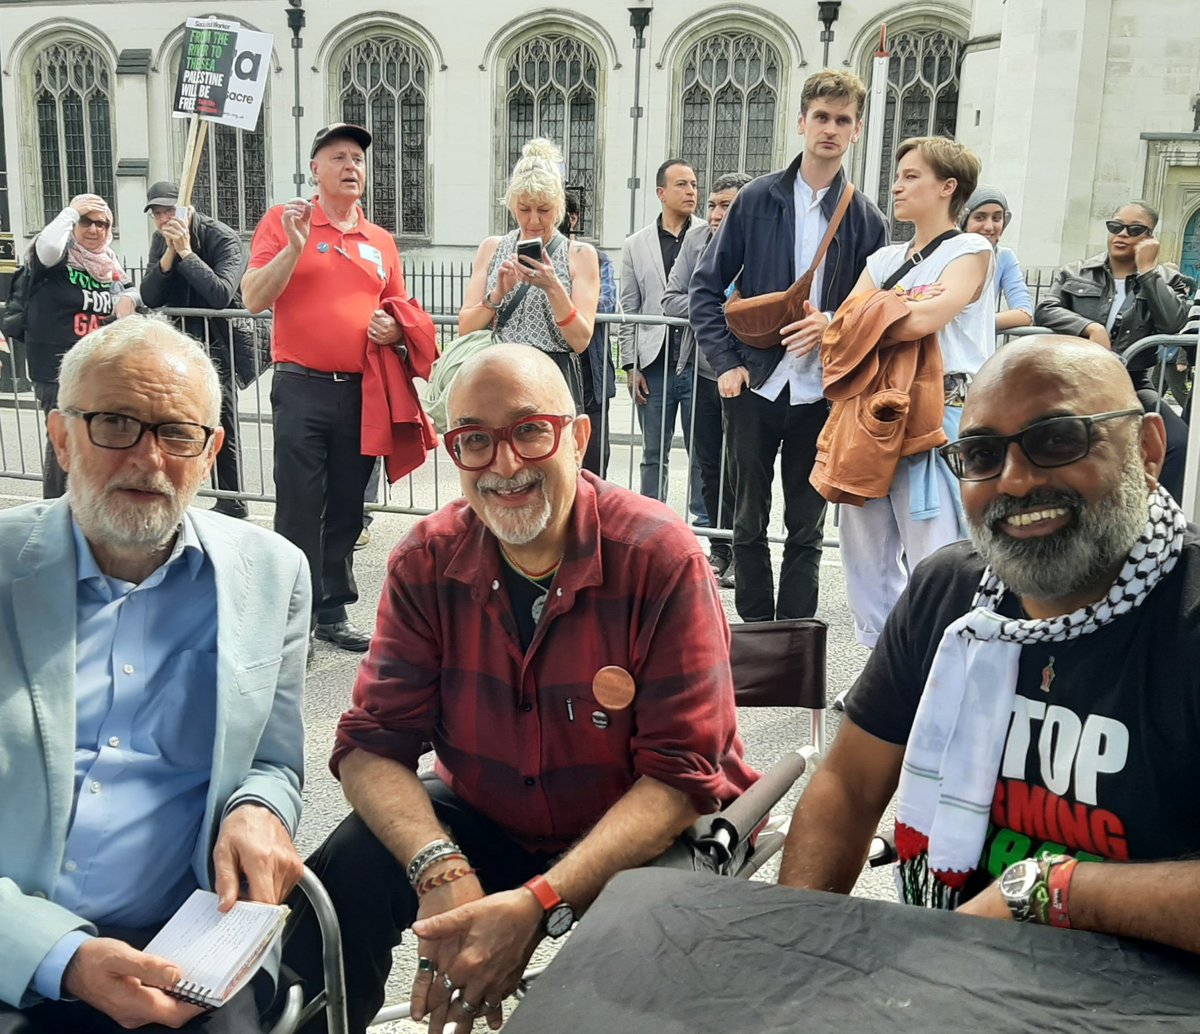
<point x="118" y="431"/>
<point x="1115" y="227"/>
<point x="534" y="437"/>
<point x="1056" y="442"/>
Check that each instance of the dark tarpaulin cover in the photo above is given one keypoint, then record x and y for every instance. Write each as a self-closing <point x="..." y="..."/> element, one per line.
<point x="664" y="952"/>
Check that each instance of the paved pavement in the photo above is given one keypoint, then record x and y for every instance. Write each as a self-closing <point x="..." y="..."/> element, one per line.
<point x="768" y="732"/>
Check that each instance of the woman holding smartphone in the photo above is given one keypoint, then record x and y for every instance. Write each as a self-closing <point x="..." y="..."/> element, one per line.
<point x="946" y="279"/>
<point x="534" y="286"/>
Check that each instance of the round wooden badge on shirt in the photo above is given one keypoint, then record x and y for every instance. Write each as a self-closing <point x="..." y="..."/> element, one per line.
<point x="613" y="688"/>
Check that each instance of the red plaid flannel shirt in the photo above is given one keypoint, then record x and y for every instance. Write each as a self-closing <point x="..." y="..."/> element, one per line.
<point x="513" y="731"/>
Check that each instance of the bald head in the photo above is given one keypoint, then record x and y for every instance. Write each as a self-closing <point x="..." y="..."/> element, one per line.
<point x="542" y="381"/>
<point x="1092" y="376"/>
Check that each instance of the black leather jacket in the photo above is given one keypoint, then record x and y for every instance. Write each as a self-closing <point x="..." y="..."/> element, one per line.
<point x="1083" y="293"/>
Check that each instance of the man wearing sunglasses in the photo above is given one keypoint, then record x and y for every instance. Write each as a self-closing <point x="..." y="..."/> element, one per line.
<point x="153" y="662"/>
<point x="1119" y="297"/>
<point x="1032" y="700"/>
<point x="560" y="642"/>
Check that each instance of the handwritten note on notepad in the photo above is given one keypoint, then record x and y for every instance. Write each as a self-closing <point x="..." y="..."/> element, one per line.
<point x="217" y="952"/>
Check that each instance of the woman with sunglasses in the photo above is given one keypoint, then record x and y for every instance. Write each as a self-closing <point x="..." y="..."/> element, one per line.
<point x="1119" y="297"/>
<point x="77" y="286"/>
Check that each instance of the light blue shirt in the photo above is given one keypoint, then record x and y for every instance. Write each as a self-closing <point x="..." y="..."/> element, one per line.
<point x="145" y="724"/>
<point x="803" y="377"/>
<point x="1010" y="283"/>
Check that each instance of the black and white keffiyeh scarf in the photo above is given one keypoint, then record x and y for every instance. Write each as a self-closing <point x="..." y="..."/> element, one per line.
<point x="954" y="750"/>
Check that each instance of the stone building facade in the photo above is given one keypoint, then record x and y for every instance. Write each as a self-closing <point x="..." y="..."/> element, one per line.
<point x="1074" y="105"/>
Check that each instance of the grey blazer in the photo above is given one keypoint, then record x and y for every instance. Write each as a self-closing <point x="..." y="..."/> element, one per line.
<point x="642" y="285"/>
<point x="675" y="298"/>
<point x="263" y="603"/>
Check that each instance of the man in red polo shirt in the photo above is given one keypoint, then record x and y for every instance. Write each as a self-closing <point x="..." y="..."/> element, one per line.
<point x="498" y="613"/>
<point x="328" y="272"/>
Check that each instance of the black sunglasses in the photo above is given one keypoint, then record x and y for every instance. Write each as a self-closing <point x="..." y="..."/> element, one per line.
<point x="1115" y="227"/>
<point x="1056" y="442"/>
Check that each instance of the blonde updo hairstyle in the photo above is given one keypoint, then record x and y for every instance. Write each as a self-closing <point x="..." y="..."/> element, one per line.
<point x="537" y="176"/>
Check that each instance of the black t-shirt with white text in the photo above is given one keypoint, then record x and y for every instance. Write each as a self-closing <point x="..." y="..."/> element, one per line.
<point x="1102" y="758"/>
<point x="64" y="305"/>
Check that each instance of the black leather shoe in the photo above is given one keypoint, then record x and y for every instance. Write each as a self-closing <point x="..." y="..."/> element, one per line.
<point x="343" y="635"/>
<point x="232" y="508"/>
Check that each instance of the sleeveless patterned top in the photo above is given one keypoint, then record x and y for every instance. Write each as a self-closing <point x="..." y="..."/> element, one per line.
<point x="532" y="322"/>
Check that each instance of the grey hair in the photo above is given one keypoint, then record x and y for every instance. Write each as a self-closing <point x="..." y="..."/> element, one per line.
<point x="731" y="181"/>
<point x="538" y="175"/>
<point x="131" y="334"/>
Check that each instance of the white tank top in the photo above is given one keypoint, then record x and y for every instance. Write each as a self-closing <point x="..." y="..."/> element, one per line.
<point x="969" y="338"/>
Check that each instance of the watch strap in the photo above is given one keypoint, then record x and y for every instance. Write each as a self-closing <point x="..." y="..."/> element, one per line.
<point x="546" y="895"/>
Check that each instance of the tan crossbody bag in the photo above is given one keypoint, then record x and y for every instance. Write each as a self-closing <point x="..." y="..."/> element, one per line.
<point x="757" y="321"/>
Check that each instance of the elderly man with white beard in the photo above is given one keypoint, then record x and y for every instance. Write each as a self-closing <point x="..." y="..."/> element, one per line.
<point x="560" y="642"/>
<point x="150" y="732"/>
<point x="1034" y="700"/>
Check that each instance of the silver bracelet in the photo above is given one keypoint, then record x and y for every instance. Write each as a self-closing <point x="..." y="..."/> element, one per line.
<point x="432" y="852"/>
<point x="489" y="304"/>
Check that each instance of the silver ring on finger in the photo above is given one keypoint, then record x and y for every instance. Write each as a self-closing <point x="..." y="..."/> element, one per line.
<point x="467" y="1007"/>
<point x="489" y="1006"/>
<point x="447" y="983"/>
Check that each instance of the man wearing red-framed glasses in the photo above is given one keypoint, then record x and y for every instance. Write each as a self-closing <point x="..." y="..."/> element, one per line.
<point x="498" y="612"/>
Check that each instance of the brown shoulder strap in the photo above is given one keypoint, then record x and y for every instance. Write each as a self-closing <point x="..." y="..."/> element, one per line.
<point x="834" y="223"/>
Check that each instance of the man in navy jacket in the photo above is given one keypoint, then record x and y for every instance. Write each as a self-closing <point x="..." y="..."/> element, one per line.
<point x="772" y="398"/>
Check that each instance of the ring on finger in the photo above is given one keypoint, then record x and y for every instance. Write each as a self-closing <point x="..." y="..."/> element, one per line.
<point x="447" y="983"/>
<point x="467" y="1007"/>
<point x="424" y="965"/>
<point x="489" y="1006"/>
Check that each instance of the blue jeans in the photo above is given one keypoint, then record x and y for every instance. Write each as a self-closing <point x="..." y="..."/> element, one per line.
<point x="657" y="421"/>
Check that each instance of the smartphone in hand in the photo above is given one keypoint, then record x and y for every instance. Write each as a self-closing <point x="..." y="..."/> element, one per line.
<point x="530" y="249"/>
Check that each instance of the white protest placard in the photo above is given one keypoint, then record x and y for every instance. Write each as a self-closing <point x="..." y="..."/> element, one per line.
<point x="222" y="73"/>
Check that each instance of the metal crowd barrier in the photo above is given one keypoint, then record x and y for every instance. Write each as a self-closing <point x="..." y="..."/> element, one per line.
<point x="22" y="431"/>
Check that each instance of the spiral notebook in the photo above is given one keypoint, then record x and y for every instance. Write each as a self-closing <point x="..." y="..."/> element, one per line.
<point x="216" y="952"/>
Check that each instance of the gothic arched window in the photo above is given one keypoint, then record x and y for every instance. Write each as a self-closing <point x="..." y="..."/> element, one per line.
<point x="922" y="100"/>
<point x="730" y="96"/>
<point x="71" y="84"/>
<point x="383" y="84"/>
<point x="551" y="88"/>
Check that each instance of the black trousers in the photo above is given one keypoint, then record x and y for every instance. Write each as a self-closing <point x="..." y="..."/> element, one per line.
<point x="716" y="482"/>
<point x="229" y="459"/>
<point x="1175" y="460"/>
<point x="758" y="429"/>
<point x="375" y="903"/>
<point x="320" y="476"/>
<point x="597" y="455"/>
<point x="240" y="1015"/>
<point x="54" y="478"/>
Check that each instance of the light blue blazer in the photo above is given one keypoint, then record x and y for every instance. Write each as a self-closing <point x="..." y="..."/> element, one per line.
<point x="263" y="606"/>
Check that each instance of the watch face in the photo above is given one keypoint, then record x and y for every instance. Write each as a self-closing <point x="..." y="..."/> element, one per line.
<point x="1018" y="880"/>
<point x="560" y="919"/>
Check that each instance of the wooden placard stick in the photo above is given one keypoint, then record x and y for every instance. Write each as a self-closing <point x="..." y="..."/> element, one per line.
<point x="193" y="152"/>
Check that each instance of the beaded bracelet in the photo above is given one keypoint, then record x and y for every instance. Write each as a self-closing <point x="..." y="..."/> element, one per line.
<point x="432" y="851"/>
<point x="441" y="879"/>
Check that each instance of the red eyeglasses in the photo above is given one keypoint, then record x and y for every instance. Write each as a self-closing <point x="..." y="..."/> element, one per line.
<point x="534" y="437"/>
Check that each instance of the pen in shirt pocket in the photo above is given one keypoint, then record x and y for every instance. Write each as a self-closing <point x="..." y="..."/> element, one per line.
<point x="570" y="710"/>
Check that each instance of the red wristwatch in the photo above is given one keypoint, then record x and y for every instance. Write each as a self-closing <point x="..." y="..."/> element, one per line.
<point x="560" y="916"/>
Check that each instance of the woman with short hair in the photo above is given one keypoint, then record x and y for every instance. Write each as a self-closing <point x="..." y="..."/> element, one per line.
<point x="950" y="292"/>
<point x="549" y="304"/>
